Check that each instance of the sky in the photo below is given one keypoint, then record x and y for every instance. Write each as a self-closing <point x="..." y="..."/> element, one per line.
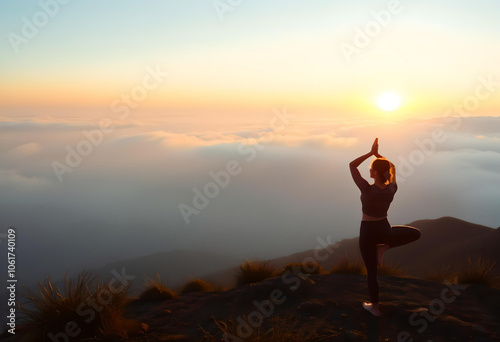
<point x="116" y="115"/>
<point x="256" y="55"/>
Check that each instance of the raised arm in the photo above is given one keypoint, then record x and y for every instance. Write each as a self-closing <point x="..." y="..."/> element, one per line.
<point x="356" y="176"/>
<point x="353" y="166"/>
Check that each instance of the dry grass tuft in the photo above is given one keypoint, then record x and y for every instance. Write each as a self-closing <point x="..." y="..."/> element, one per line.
<point x="306" y="268"/>
<point x="443" y="273"/>
<point x="197" y="285"/>
<point x="391" y="269"/>
<point x="156" y="290"/>
<point x="478" y="270"/>
<point x="254" y="271"/>
<point x="348" y="265"/>
<point x="49" y="311"/>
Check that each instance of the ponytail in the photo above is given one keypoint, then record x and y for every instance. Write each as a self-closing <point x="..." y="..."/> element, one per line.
<point x="387" y="176"/>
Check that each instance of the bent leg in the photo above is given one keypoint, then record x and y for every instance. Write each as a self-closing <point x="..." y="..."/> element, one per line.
<point x="402" y="235"/>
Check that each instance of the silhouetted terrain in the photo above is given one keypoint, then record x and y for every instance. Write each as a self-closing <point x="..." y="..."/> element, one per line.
<point x="175" y="266"/>
<point x="324" y="307"/>
<point x="331" y="308"/>
<point x="444" y="241"/>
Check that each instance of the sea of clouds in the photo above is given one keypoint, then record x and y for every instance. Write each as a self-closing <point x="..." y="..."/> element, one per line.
<point x="269" y="187"/>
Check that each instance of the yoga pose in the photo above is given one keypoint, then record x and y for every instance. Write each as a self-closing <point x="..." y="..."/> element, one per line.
<point x="376" y="234"/>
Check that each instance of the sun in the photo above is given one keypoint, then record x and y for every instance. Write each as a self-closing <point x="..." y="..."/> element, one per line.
<point x="389" y="101"/>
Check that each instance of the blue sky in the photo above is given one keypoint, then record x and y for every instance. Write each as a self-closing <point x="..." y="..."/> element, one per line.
<point x="267" y="48"/>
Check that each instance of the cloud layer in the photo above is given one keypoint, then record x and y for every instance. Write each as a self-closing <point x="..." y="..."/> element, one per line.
<point x="293" y="185"/>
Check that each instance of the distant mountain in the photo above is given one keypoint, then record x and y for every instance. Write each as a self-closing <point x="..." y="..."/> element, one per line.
<point x="444" y="241"/>
<point x="176" y="267"/>
<point x="447" y="240"/>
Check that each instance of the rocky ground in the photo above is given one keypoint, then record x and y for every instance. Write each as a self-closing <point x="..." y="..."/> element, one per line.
<point x="326" y="308"/>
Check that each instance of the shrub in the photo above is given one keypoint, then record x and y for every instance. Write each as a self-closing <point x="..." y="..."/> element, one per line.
<point x="156" y="290"/>
<point x="254" y="272"/>
<point x="48" y="312"/>
<point x="348" y="265"/>
<point x="197" y="285"/>
<point x="306" y="268"/>
<point x="478" y="271"/>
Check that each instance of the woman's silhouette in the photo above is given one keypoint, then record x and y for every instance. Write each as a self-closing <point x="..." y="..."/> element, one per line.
<point x="376" y="234"/>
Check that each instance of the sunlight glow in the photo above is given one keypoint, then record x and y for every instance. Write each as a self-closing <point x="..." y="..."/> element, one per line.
<point x="389" y="102"/>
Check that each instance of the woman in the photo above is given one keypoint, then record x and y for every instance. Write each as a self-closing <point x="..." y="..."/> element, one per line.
<point x="376" y="234"/>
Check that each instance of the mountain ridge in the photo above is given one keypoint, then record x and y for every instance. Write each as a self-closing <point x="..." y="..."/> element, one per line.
<point x="445" y="240"/>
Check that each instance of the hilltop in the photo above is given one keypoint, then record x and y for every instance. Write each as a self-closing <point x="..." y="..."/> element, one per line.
<point x="330" y="308"/>
<point x="324" y="307"/>
<point x="446" y="241"/>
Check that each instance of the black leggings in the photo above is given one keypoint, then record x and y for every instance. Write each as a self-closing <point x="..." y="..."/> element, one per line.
<point x="372" y="233"/>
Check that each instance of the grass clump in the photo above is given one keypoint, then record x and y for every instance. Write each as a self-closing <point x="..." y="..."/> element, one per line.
<point x="197" y="285"/>
<point x="443" y="273"/>
<point x="478" y="270"/>
<point x="391" y="269"/>
<point x="156" y="290"/>
<point x="348" y="265"/>
<point x="254" y="271"/>
<point x="49" y="310"/>
<point x="309" y="267"/>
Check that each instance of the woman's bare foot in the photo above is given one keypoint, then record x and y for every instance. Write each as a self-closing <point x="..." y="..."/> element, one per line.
<point x="381" y="248"/>
<point x="372" y="308"/>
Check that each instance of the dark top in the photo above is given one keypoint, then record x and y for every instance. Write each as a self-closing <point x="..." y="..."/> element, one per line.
<point x="374" y="200"/>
